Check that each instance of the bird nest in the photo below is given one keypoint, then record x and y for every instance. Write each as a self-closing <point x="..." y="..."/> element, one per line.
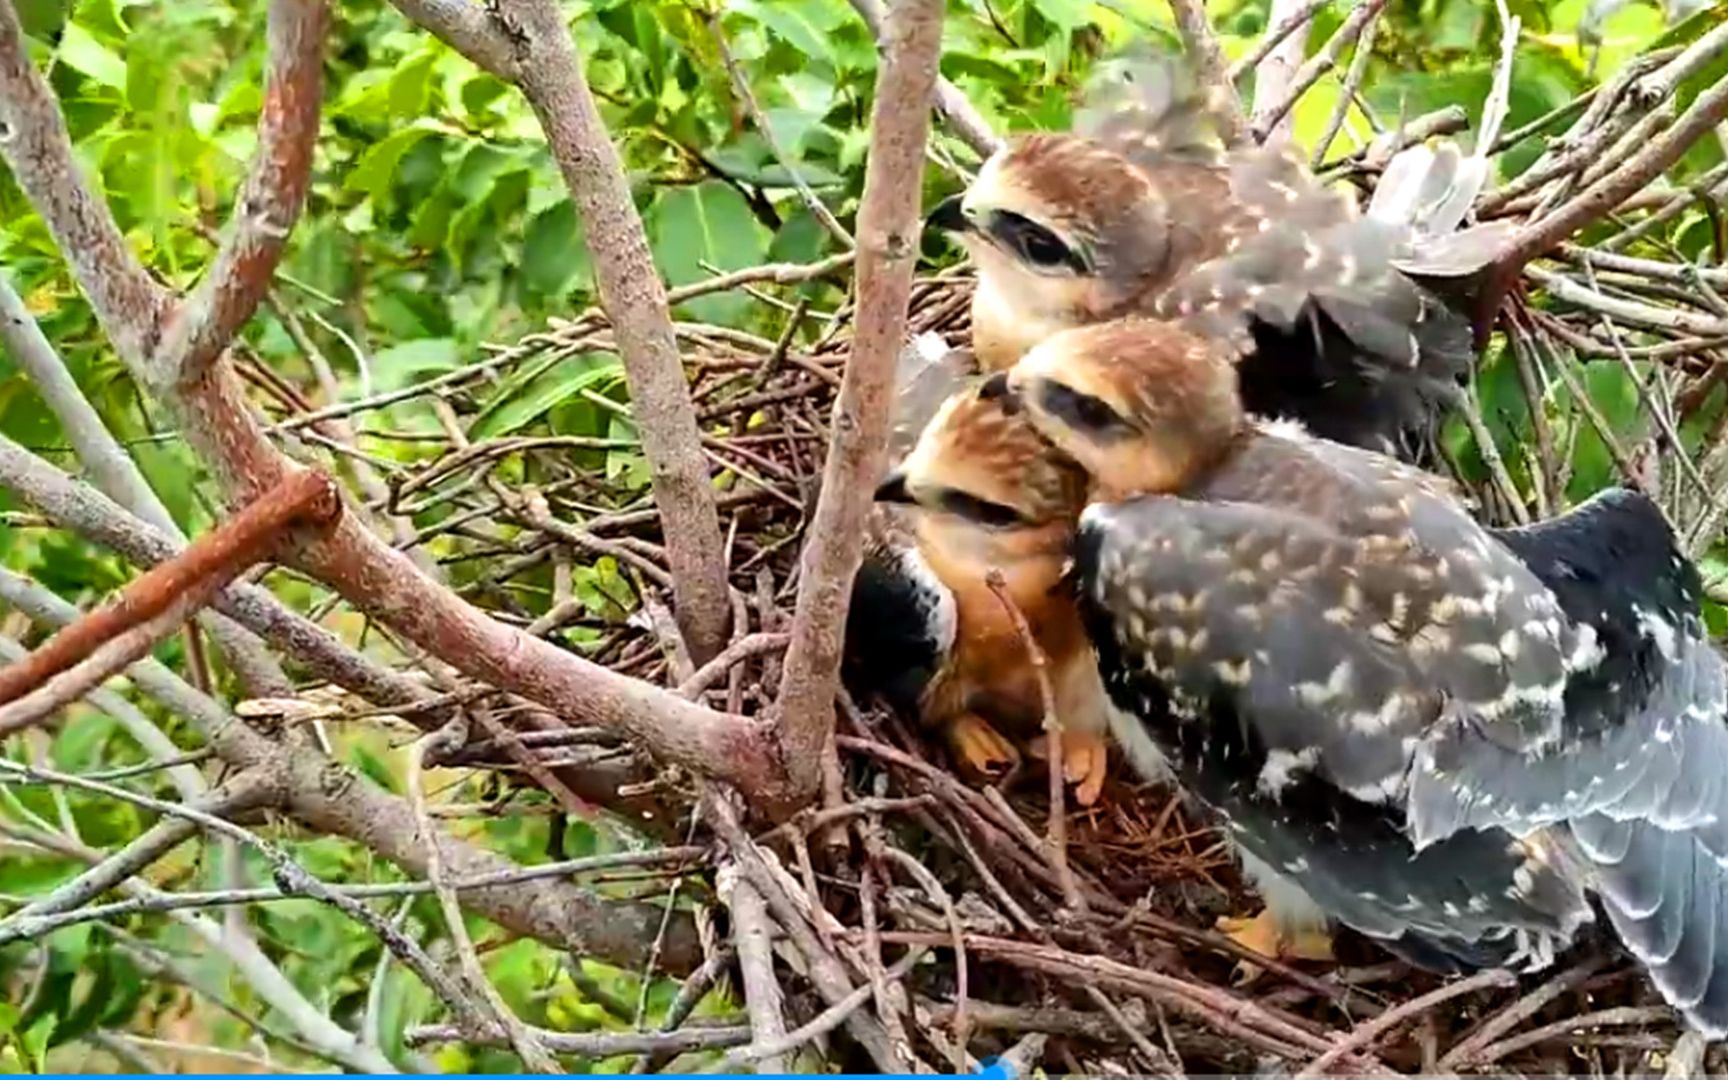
<point x="975" y="922"/>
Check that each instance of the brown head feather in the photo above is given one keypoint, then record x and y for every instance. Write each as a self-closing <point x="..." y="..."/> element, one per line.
<point x="1143" y="406"/>
<point x="985" y="447"/>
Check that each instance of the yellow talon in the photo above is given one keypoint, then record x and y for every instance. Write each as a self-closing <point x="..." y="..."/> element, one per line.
<point x="1085" y="764"/>
<point x="981" y="751"/>
<point x="1261" y="934"/>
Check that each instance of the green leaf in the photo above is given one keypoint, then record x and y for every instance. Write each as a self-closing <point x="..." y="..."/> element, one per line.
<point x="84" y="54"/>
<point x="525" y="397"/>
<point x="376" y="169"/>
<point x="555" y="255"/>
<point x="708" y="223"/>
<point x="799" y="24"/>
<point x="400" y="366"/>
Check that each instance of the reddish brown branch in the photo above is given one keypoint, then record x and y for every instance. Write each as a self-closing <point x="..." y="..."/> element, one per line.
<point x="269" y="202"/>
<point x="106" y="659"/>
<point x="36" y="146"/>
<point x="888" y="225"/>
<point x="208" y="563"/>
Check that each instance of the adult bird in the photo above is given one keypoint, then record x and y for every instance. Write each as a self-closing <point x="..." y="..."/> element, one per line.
<point x="979" y="492"/>
<point x="1338" y="316"/>
<point x="1442" y="735"/>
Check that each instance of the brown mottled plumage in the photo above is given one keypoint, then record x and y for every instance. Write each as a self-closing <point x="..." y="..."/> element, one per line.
<point x="1141" y="211"/>
<point x="985" y="493"/>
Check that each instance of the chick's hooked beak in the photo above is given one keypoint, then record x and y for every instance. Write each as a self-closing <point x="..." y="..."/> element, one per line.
<point x="950" y="216"/>
<point x="996" y="388"/>
<point x="893" y="489"/>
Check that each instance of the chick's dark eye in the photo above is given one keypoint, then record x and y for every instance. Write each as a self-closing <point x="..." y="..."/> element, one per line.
<point x="1036" y="244"/>
<point x="1083" y="412"/>
<point x="1044" y="249"/>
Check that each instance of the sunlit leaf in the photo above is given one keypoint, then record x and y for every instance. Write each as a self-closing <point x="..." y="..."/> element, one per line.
<point x="526" y="397"/>
<point x="83" y="53"/>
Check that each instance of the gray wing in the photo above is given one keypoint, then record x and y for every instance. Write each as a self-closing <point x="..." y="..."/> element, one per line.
<point x="1236" y="634"/>
<point x="1149" y="107"/>
<point x="1639" y="777"/>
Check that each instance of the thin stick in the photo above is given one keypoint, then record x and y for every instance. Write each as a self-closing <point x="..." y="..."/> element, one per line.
<point x="1362" y="1037"/>
<point x="1057" y="828"/>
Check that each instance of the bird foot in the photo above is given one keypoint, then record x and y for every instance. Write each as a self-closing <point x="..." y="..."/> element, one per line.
<point x="982" y="753"/>
<point x="1085" y="764"/>
<point x="1261" y="934"/>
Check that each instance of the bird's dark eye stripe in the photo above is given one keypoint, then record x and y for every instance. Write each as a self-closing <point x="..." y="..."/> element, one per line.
<point x="982" y="511"/>
<point x="1083" y="412"/>
<point x="1034" y="243"/>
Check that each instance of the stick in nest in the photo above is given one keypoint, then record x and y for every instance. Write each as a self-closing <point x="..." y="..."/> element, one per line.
<point x="1057" y="835"/>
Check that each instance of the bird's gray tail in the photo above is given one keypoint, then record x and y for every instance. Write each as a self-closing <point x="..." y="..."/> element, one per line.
<point x="1666" y="892"/>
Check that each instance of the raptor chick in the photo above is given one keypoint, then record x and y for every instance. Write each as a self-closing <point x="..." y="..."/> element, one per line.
<point x="980" y="490"/>
<point x="1337" y="315"/>
<point x="1442" y="735"/>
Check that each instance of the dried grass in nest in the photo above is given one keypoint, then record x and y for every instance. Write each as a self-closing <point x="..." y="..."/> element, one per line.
<point x="904" y="855"/>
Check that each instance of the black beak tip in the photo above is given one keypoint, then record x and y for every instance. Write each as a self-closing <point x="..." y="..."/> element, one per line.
<point x="893" y="489"/>
<point x="996" y="388"/>
<point x="948" y="216"/>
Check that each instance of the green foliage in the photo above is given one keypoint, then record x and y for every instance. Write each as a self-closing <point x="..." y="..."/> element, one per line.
<point x="437" y="226"/>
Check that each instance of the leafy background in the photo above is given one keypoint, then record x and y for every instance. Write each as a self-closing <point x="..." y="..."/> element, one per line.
<point x="438" y="230"/>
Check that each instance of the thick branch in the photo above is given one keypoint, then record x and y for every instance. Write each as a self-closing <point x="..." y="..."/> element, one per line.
<point x="888" y="226"/>
<point x="216" y="557"/>
<point x="1269" y="118"/>
<point x="71" y="505"/>
<point x="38" y="149"/>
<point x="549" y="71"/>
<point x="114" y="471"/>
<point x="958" y="113"/>
<point x="1207" y="58"/>
<point x="270" y="200"/>
<point x="327" y="797"/>
<point x="464" y="26"/>
<point x="41" y="700"/>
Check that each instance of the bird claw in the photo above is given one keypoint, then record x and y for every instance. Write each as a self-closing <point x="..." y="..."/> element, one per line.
<point x="981" y="750"/>
<point x="1260" y="934"/>
<point x="1085" y="764"/>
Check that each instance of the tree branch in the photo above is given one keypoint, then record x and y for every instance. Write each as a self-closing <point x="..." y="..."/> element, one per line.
<point x="115" y="473"/>
<point x="958" y="113"/>
<point x="72" y="505"/>
<point x="327" y="797"/>
<point x="1273" y="115"/>
<point x="244" y="792"/>
<point x="1595" y="202"/>
<point x="1269" y="118"/>
<point x="1201" y="45"/>
<point x="753" y="932"/>
<point x="548" y="69"/>
<point x="269" y="202"/>
<point x="128" y="303"/>
<point x="209" y="562"/>
<point x="888" y="226"/>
